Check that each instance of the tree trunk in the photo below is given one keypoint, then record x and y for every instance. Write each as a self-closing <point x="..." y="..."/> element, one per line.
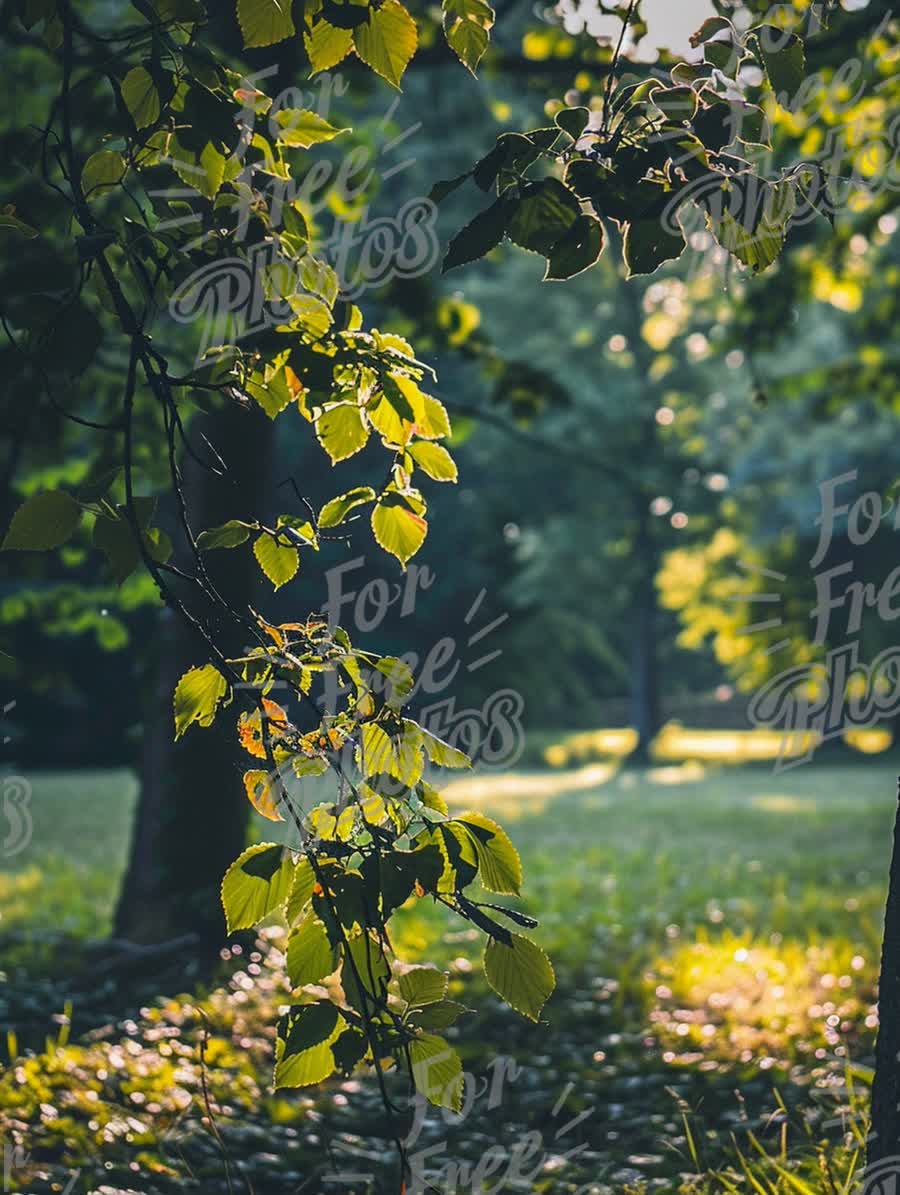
<point x="884" y="1141"/>
<point x="644" y="664"/>
<point x="192" y="815"/>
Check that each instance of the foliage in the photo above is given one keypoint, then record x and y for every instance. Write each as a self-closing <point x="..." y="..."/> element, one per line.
<point x="173" y="122"/>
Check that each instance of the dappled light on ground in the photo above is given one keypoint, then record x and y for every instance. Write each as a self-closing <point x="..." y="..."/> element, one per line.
<point x="677" y="743"/>
<point x="706" y="939"/>
<point x="740" y="1000"/>
<point x="523" y="792"/>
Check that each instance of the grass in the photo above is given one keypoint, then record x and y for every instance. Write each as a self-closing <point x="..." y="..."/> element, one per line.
<point x="713" y="928"/>
<point x="66" y="877"/>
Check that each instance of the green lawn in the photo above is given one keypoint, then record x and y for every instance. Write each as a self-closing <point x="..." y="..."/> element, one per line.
<point x="712" y="930"/>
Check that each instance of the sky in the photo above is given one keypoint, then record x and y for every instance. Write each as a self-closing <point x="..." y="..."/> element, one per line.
<point x="670" y="23"/>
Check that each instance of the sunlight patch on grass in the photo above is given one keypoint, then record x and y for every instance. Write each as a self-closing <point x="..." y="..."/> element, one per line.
<point x="514" y="794"/>
<point x="781" y="803"/>
<point x="740" y="999"/>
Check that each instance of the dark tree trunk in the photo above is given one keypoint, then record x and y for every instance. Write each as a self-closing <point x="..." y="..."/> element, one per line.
<point x="192" y="815"/>
<point x="884" y="1142"/>
<point x="644" y="662"/>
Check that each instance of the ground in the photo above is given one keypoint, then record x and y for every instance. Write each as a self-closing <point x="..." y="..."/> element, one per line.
<point x="715" y="932"/>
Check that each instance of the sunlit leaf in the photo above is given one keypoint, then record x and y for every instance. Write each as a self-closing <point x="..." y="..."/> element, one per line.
<point x="263" y="795"/>
<point x="197" y="697"/>
<point x="264" y="22"/>
<point x="334" y="512"/>
<point x="396" y="528"/>
<point x="520" y="974"/>
<point x="278" y="561"/>
<point x="255" y="885"/>
<point x="387" y="41"/>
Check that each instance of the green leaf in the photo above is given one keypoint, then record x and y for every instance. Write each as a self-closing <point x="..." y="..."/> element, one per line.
<point x="573" y="121"/>
<point x="387" y="41"/>
<point x="279" y="562"/>
<point x="400" y="677"/>
<point x="710" y="27"/>
<point x="543" y="215"/>
<point x="115" y="538"/>
<point x="197" y="697"/>
<point x="299" y="530"/>
<point x="676" y="103"/>
<point x="467" y="28"/>
<point x="399" y="756"/>
<point x="648" y="243"/>
<point x="369" y="967"/>
<point x="301" y="889"/>
<point x="442" y="754"/>
<point x="396" y="528"/>
<point x="303" y="1051"/>
<point x="499" y="865"/>
<point x="577" y="250"/>
<point x="479" y="236"/>
<point x="42" y="522"/>
<point x="784" y="60"/>
<point x="520" y="974"/>
<point x="274" y="395"/>
<point x="301" y="128"/>
<point x="434" y="460"/>
<point x="264" y="22"/>
<point x="437" y="1016"/>
<point x="102" y="171"/>
<point x="256" y="884"/>
<point x="422" y="985"/>
<point x="334" y="512"/>
<point x="228" y="535"/>
<point x="437" y="1071"/>
<point x="141" y="97"/>
<point x="204" y="171"/>
<point x="754" y="237"/>
<point x="327" y="45"/>
<point x="310" y="955"/>
<point x="342" y="431"/>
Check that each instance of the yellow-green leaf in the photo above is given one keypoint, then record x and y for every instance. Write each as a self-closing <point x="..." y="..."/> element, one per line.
<point x="256" y="884"/>
<point x="264" y="22"/>
<point x="520" y="974"/>
<point x="301" y="889"/>
<point x="422" y="985"/>
<point x="467" y="26"/>
<point x="437" y="1071"/>
<point x="327" y="45"/>
<point x="279" y="562"/>
<point x="387" y="41"/>
<point x="205" y="172"/>
<point x="310" y="955"/>
<point x="300" y="128"/>
<point x="434" y="459"/>
<point x="335" y="511"/>
<point x="442" y="754"/>
<point x="303" y="1055"/>
<point x="228" y="535"/>
<point x="499" y="865"/>
<point x="197" y="697"/>
<point x="342" y="431"/>
<point x="397" y="528"/>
